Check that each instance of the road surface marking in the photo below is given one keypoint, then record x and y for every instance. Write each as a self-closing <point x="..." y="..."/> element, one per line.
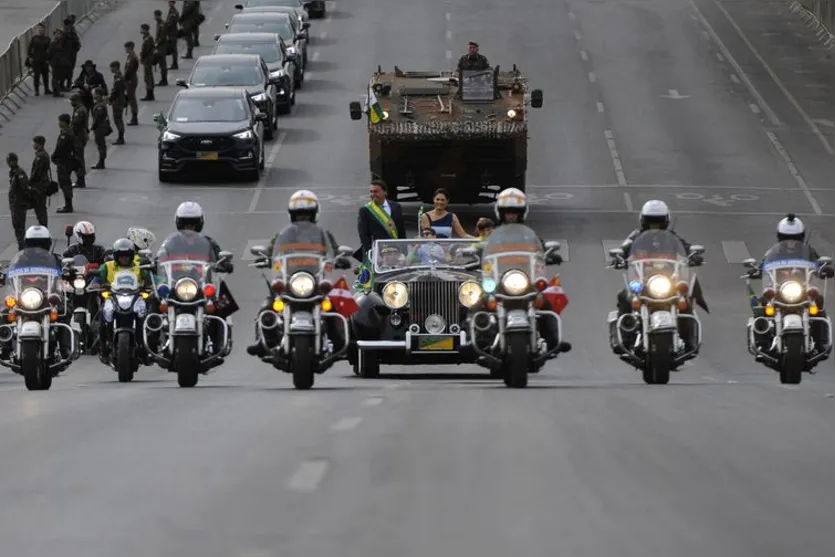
<point x="449" y="55"/>
<point x="627" y="200"/>
<point x="735" y="251"/>
<point x="347" y="424"/>
<point x="584" y="55"/>
<point x="600" y="108"/>
<point x="720" y="57"/>
<point x="754" y="108"/>
<point x="571" y="16"/>
<point x="577" y="35"/>
<point x="315" y="56"/>
<point x="734" y="78"/>
<point x="801" y="183"/>
<point x="256" y="195"/>
<point x="735" y="65"/>
<point x="776" y="80"/>
<point x="308" y="476"/>
<point x="448" y="35"/>
<point x="373" y="401"/>
<point x="448" y="16"/>
<point x="613" y="152"/>
<point x="592" y="77"/>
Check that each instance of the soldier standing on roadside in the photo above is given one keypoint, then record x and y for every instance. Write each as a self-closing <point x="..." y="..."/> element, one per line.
<point x="101" y="127"/>
<point x="38" y="55"/>
<point x="146" y="58"/>
<point x="39" y="179"/>
<point x="161" y="45"/>
<point x="18" y="197"/>
<point x="118" y="101"/>
<point x="73" y="43"/>
<point x="65" y="160"/>
<point x="132" y="81"/>
<point x="171" y="21"/>
<point x="189" y="22"/>
<point x="80" y="131"/>
<point x="60" y="59"/>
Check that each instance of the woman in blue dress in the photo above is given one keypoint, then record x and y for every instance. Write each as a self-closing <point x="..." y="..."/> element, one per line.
<point x="442" y="221"/>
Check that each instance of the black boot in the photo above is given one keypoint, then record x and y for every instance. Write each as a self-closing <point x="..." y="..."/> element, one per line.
<point x="67" y="208"/>
<point x="120" y="141"/>
<point x="148" y="97"/>
<point x="99" y="165"/>
<point x="256" y="350"/>
<point x="133" y="121"/>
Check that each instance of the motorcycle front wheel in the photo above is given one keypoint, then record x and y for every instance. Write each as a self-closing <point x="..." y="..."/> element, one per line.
<point x="35" y="373"/>
<point x="657" y="371"/>
<point x="186" y="361"/>
<point x="517" y="360"/>
<point x="303" y="360"/>
<point x="794" y="360"/>
<point x="123" y="357"/>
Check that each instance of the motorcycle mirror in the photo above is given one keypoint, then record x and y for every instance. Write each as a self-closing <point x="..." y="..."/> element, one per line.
<point x="552" y="245"/>
<point x="345" y="250"/>
<point x="258" y="251"/>
<point x="825" y="260"/>
<point x="225" y="255"/>
<point x="617" y="253"/>
<point x="67" y="261"/>
<point x="696" y="249"/>
<point x="146" y="253"/>
<point x="68" y="230"/>
<point x="239" y="6"/>
<point x="750" y="262"/>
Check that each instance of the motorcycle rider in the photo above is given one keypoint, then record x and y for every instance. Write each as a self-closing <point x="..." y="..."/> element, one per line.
<point x="85" y="235"/>
<point x="511" y="207"/>
<point x="303" y="208"/>
<point x="124" y="258"/>
<point x="655" y="215"/>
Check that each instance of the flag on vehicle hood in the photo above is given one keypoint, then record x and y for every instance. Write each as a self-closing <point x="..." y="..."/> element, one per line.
<point x="375" y="111"/>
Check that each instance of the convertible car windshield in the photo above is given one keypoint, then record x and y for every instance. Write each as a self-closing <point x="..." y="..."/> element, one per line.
<point x="390" y="255"/>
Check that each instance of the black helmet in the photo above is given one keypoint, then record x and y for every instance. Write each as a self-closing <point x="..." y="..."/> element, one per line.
<point x="123" y="248"/>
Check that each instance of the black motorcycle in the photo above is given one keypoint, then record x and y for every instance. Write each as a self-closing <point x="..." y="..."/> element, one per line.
<point x="123" y="312"/>
<point x="83" y="299"/>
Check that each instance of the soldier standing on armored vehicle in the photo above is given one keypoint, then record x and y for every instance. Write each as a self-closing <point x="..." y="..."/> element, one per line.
<point x="473" y="60"/>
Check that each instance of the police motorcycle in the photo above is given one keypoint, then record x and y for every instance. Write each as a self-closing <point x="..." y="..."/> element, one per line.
<point x="788" y="334"/>
<point x="662" y="289"/>
<point x="297" y="331"/>
<point x="185" y="336"/>
<point x="34" y="342"/>
<point x="82" y="296"/>
<point x="511" y="313"/>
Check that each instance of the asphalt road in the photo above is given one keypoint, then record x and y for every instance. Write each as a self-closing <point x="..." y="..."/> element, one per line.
<point x="588" y="461"/>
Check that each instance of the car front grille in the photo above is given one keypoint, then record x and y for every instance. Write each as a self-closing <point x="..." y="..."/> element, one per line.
<point x="435" y="296"/>
<point x="196" y="143"/>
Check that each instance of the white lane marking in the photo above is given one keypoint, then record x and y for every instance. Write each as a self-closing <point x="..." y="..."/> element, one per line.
<point x="256" y="195"/>
<point x="801" y="183"/>
<point x="706" y="35"/>
<point x="448" y="35"/>
<point x="347" y="424"/>
<point x="571" y="16"/>
<point x="720" y="57"/>
<point x="735" y="65"/>
<point x="577" y="35"/>
<point x="777" y="81"/>
<point x="392" y="386"/>
<point x="600" y="108"/>
<point x="734" y="78"/>
<point x="584" y="55"/>
<point x="315" y="56"/>
<point x="735" y="251"/>
<point x="610" y="244"/>
<point x="448" y="16"/>
<point x="308" y="476"/>
<point x="616" y="162"/>
<point x="754" y="108"/>
<point x="592" y="77"/>
<point x="449" y="55"/>
<point x="830" y="395"/>
<point x="627" y="199"/>
<point x="732" y="382"/>
<point x="373" y="401"/>
<point x="323" y="34"/>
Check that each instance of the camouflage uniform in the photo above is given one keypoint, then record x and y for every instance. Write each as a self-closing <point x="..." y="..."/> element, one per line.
<point x="171" y="25"/>
<point x="101" y="129"/>
<point x="65" y="158"/>
<point x="189" y="20"/>
<point x="118" y="100"/>
<point x="475" y="62"/>
<point x="161" y="45"/>
<point x="39" y="179"/>
<point x="38" y="54"/>
<point x="18" y="201"/>
<point x="146" y="58"/>
<point x="131" y="83"/>
<point x="80" y="120"/>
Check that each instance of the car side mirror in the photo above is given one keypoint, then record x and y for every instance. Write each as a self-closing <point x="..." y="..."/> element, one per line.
<point x="344" y="250"/>
<point x="226" y="26"/>
<point x="616" y="253"/>
<point x="536" y="98"/>
<point x="261" y="117"/>
<point x="217" y="37"/>
<point x="356" y="110"/>
<point x="181" y="83"/>
<point x="225" y="256"/>
<point x="239" y="6"/>
<point x="696" y="249"/>
<point x="825" y="260"/>
<point x="553" y="245"/>
<point x="749" y="263"/>
<point x="274" y="81"/>
<point x="67" y="262"/>
<point x="258" y="251"/>
<point x="306" y="25"/>
<point x="68" y="231"/>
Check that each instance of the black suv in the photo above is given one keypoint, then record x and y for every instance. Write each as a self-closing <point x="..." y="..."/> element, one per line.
<point x="239" y="70"/>
<point x="273" y="51"/>
<point x="209" y="127"/>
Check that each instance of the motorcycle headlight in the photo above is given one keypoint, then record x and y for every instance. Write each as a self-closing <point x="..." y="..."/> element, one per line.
<point x="124" y="302"/>
<point x="791" y="291"/>
<point x="302" y="285"/>
<point x="261" y="97"/>
<point x="186" y="290"/>
<point x="247" y="134"/>
<point x="469" y="293"/>
<point x="31" y="299"/>
<point x="659" y="286"/>
<point x="79" y="283"/>
<point x="515" y="283"/>
<point x="168" y="136"/>
<point x="395" y="295"/>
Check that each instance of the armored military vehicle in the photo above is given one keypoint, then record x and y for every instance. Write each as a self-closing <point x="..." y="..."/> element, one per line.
<point x="430" y="130"/>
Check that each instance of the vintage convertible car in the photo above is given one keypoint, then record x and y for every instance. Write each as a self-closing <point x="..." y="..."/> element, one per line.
<point x="413" y="311"/>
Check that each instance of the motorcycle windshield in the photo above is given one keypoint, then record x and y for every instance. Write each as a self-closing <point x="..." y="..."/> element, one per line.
<point x="34" y="268"/>
<point x="657" y="252"/>
<point x="186" y="254"/>
<point x="125" y="281"/>
<point x="788" y="261"/>
<point x="299" y="248"/>
<point x="513" y="246"/>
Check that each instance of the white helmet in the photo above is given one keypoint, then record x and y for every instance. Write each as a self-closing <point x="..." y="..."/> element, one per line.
<point x="37" y="237"/>
<point x="303" y="201"/>
<point x="791" y="228"/>
<point x="655" y="212"/>
<point x="511" y="199"/>
<point x="141" y="237"/>
<point x="85" y="232"/>
<point x="189" y="213"/>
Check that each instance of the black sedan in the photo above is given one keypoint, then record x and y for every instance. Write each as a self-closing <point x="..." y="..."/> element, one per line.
<point x="270" y="47"/>
<point x="316" y="8"/>
<point x="210" y="127"/>
<point x="239" y="70"/>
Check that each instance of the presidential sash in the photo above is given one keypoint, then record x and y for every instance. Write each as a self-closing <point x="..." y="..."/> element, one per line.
<point x="383" y="218"/>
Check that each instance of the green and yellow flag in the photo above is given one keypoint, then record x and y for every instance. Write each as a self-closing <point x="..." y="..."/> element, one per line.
<point x="375" y="111"/>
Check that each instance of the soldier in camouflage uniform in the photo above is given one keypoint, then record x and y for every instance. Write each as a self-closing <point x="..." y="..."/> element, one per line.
<point x="38" y="56"/>
<point x="172" y="20"/>
<point x="118" y="101"/>
<point x="18" y="197"/>
<point x="132" y="81"/>
<point x="80" y="131"/>
<point x="39" y="179"/>
<point x="161" y="45"/>
<point x="73" y="45"/>
<point x="146" y="58"/>
<point x="473" y="60"/>
<point x="65" y="160"/>
<point x="100" y="127"/>
<point x="189" y="20"/>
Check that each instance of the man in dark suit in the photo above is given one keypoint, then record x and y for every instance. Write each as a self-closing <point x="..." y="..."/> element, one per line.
<point x="379" y="219"/>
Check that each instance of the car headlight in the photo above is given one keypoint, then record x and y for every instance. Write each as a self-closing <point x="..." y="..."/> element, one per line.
<point x="659" y="286"/>
<point x="515" y="283"/>
<point x="469" y="293"/>
<point x="168" y="136"/>
<point x="791" y="291"/>
<point x="247" y="134"/>
<point x="395" y="295"/>
<point x="31" y="299"/>
<point x="511" y="113"/>
<point x="302" y="284"/>
<point x="186" y="290"/>
<point x="124" y="301"/>
<point x="261" y="97"/>
<point x="79" y="283"/>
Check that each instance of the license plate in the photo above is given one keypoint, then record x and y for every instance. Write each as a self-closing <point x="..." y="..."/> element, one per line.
<point x="436" y="343"/>
<point x="207" y="156"/>
<point x="185" y="321"/>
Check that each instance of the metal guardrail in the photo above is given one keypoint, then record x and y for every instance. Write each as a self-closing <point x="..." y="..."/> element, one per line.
<point x="818" y="14"/>
<point x="13" y="70"/>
